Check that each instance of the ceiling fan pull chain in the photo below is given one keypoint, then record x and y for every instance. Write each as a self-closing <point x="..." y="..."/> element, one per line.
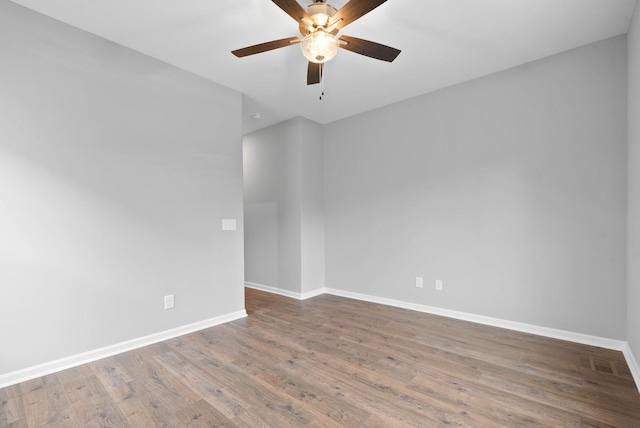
<point x="321" y="66"/>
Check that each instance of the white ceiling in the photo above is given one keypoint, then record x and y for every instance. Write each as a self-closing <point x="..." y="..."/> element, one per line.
<point x="443" y="42"/>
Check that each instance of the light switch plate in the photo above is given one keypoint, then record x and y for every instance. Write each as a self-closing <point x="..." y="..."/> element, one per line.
<point x="229" y="224"/>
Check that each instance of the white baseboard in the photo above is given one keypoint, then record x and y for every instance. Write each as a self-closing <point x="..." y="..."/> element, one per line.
<point x="585" y="339"/>
<point x="286" y="293"/>
<point x="29" y="373"/>
<point x="633" y="364"/>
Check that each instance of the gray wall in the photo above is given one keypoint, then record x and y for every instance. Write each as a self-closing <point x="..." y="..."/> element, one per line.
<point x="510" y="188"/>
<point x="284" y="219"/>
<point x="115" y="173"/>
<point x="633" y="298"/>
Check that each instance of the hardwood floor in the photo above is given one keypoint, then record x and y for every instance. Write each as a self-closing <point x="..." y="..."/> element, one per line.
<point x="331" y="361"/>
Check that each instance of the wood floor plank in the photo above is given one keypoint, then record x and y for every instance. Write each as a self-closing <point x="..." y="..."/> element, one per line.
<point x="201" y="414"/>
<point x="131" y="402"/>
<point x="155" y="377"/>
<point x="271" y="403"/>
<point x="48" y="381"/>
<point x="92" y="405"/>
<point x="213" y="389"/>
<point x="331" y="361"/>
<point x="48" y="407"/>
<point x="504" y="409"/>
<point x="11" y="407"/>
<point x="330" y="410"/>
<point x="377" y="400"/>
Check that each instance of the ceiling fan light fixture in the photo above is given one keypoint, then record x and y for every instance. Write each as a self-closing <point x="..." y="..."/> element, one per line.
<point x="319" y="47"/>
<point x="319" y="25"/>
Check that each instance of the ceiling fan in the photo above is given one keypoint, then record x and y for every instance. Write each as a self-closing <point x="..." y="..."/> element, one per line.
<point x="319" y="24"/>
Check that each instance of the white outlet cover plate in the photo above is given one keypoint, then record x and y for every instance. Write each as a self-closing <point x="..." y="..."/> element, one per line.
<point x="169" y="301"/>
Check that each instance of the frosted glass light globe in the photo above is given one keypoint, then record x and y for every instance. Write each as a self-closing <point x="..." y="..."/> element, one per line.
<point x="319" y="47"/>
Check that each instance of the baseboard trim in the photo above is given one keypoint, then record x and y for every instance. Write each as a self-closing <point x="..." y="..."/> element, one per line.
<point x="584" y="339"/>
<point x="286" y="293"/>
<point x="633" y="364"/>
<point x="29" y="373"/>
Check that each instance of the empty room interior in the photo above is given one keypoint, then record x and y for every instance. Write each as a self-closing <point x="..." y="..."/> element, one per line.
<point x="439" y="226"/>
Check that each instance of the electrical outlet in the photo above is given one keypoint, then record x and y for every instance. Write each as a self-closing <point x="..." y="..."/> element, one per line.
<point x="419" y="282"/>
<point x="169" y="302"/>
<point x="439" y="284"/>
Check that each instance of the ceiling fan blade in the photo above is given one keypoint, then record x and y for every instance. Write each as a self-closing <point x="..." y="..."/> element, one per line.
<point x="263" y="47"/>
<point x="370" y="49"/>
<point x="294" y="10"/>
<point x="314" y="73"/>
<point x="353" y="10"/>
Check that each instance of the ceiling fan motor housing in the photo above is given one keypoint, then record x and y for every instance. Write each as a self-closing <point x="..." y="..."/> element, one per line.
<point x="320" y="13"/>
<point x="321" y="8"/>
